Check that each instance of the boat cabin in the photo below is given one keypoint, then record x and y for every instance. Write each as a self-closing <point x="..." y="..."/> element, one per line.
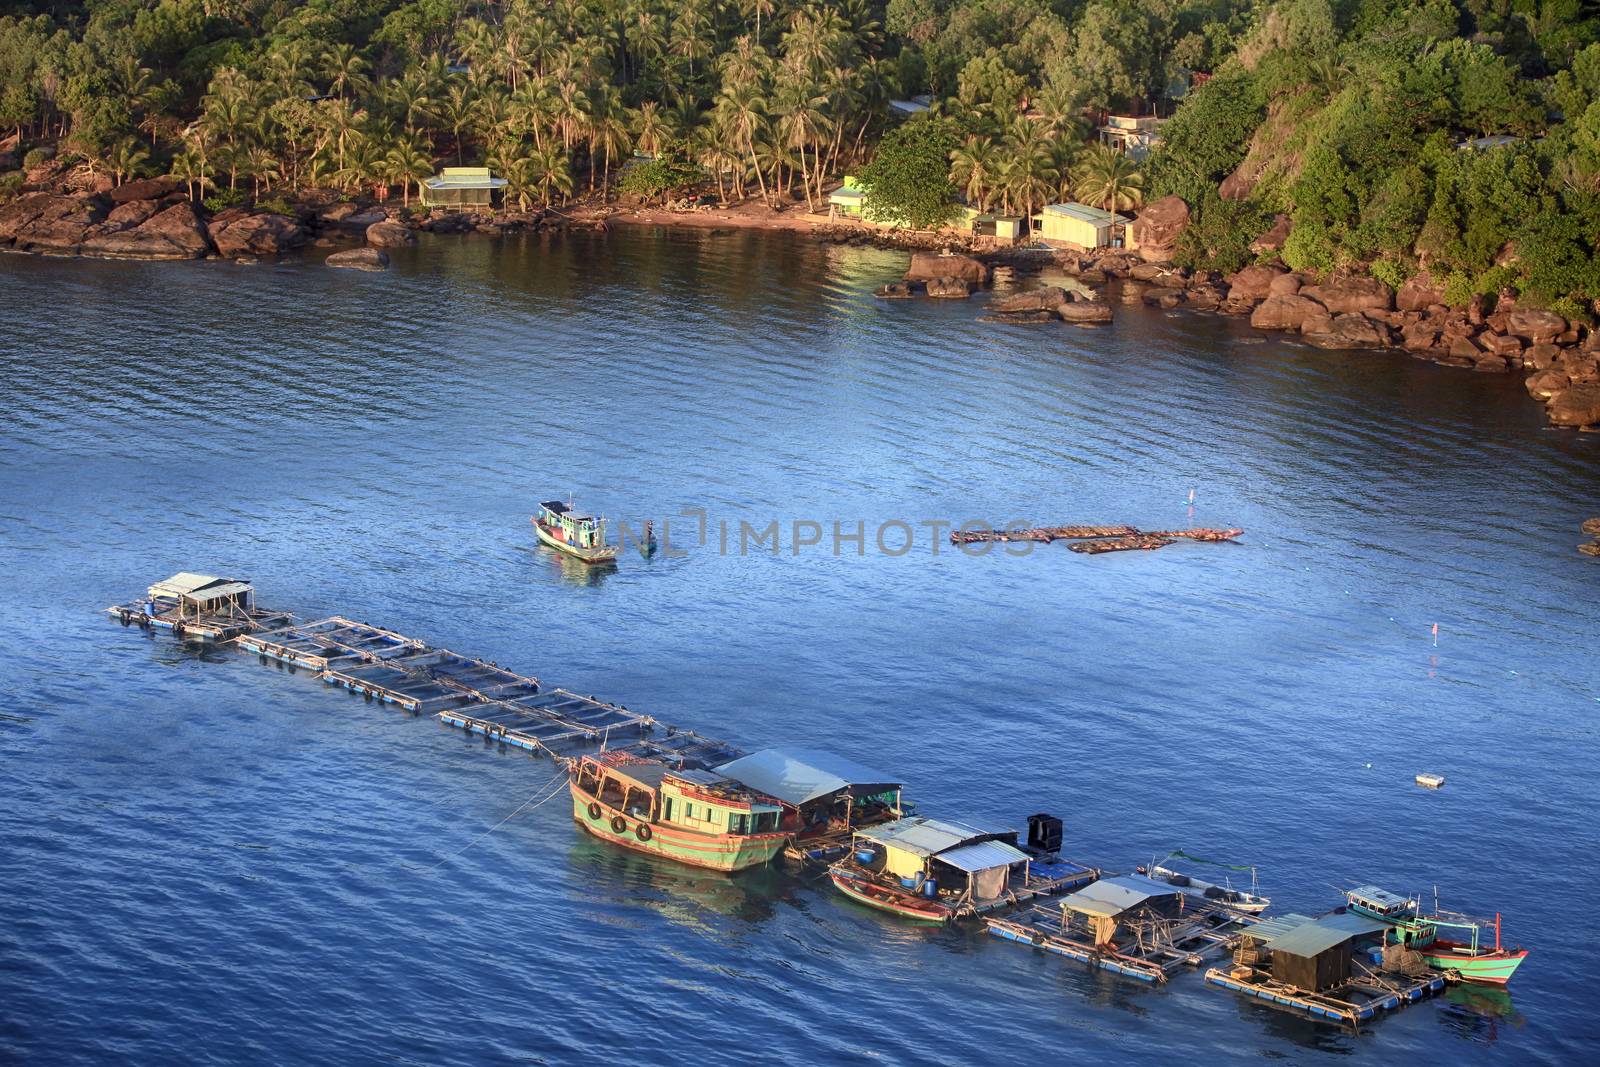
<point x="1381" y="903"/>
<point x="580" y="531"/>
<point x="942" y="859"/>
<point x="1103" y="909"/>
<point x="820" y="791"/>
<point x="193" y="596"/>
<point x="694" y="800"/>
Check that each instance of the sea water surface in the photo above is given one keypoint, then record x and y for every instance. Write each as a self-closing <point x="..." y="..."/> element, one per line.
<point x="203" y="860"/>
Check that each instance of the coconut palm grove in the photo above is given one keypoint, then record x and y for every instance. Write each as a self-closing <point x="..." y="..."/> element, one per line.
<point x="1457" y="136"/>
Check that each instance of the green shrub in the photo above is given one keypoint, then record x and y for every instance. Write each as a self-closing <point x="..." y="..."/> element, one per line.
<point x="10" y="184"/>
<point x="1218" y="236"/>
<point x="37" y="157"/>
<point x="1391" y="272"/>
<point x="1310" y="249"/>
<point x="652" y="178"/>
<point x="223" y="199"/>
<point x="277" y="205"/>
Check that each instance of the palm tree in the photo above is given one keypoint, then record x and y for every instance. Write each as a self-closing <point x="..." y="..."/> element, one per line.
<point x="650" y="128"/>
<point x="188" y="167"/>
<point x="610" y="132"/>
<point x="745" y="121"/>
<point x="550" y="171"/>
<point x="974" y="166"/>
<point x="126" y="159"/>
<point x="521" y="179"/>
<point x="407" y="164"/>
<point x="457" y="110"/>
<point x="1109" y="180"/>
<point x="344" y="68"/>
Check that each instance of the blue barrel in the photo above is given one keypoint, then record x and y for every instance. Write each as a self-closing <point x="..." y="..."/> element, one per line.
<point x="865" y="855"/>
<point x="930" y="889"/>
<point x="908" y="883"/>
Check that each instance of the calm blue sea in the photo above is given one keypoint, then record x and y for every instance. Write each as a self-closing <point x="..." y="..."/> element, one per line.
<point x="206" y="861"/>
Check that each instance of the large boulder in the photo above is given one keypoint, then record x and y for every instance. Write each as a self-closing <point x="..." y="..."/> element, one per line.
<point x="928" y="266"/>
<point x="1084" y="312"/>
<point x="1276" y="236"/>
<point x="1418" y="293"/>
<point x="1357" y="294"/>
<point x="1158" y="228"/>
<point x="128" y="215"/>
<point x="1250" y="283"/>
<point x="1539" y="327"/>
<point x="175" y="232"/>
<point x="257" y="235"/>
<point x="388" y="234"/>
<point x="1575" y="406"/>
<point x="1047" y="298"/>
<point x="1163" y="274"/>
<point x="948" y="288"/>
<point x="1540" y="357"/>
<point x="359" y="259"/>
<point x="1545" y="384"/>
<point x="1285" y="285"/>
<point x="45" y="222"/>
<point x="1241" y="183"/>
<point x="1284" y="312"/>
<point x="143" y="189"/>
<point x="1344" y="331"/>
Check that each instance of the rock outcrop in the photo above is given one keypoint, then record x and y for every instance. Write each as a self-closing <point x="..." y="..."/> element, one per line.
<point x="143" y="189"/>
<point x="256" y="235"/>
<point x="1084" y="312"/>
<point x="388" y="234"/>
<point x="1577" y="405"/>
<point x="1538" y="327"/>
<point x="1348" y="330"/>
<point x="1276" y="236"/>
<point x="1357" y="294"/>
<point x="1418" y="293"/>
<point x="1252" y="282"/>
<point x="174" y="232"/>
<point x="1047" y="298"/>
<point x="46" y="222"/>
<point x="948" y="288"/>
<point x="359" y="259"/>
<point x="1158" y="228"/>
<point x="929" y="266"/>
<point x="1285" y="312"/>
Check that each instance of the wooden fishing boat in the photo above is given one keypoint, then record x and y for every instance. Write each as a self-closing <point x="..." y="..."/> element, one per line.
<point x="861" y="886"/>
<point x="692" y="816"/>
<point x="582" y="537"/>
<point x="1467" y="959"/>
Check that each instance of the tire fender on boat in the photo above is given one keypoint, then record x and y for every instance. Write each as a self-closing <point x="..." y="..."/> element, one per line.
<point x="643" y="832"/>
<point x="594" y="811"/>
<point x="619" y="824"/>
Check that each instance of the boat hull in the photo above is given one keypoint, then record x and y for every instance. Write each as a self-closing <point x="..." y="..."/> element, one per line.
<point x="601" y="554"/>
<point x="1494" y="967"/>
<point x="715" y="852"/>
<point x="883" y="898"/>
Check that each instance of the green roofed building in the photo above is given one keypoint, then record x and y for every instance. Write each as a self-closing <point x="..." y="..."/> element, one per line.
<point x="462" y="188"/>
<point x="849" y="199"/>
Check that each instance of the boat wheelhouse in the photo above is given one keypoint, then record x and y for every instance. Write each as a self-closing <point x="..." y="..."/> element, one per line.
<point x="825" y="797"/>
<point x="693" y="816"/>
<point x="1464" y="956"/>
<point x="563" y="528"/>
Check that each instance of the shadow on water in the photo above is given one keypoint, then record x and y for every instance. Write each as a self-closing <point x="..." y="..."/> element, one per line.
<point x="680" y="893"/>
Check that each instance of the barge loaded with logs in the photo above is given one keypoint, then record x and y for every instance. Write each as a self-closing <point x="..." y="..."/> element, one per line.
<point x="675" y="794"/>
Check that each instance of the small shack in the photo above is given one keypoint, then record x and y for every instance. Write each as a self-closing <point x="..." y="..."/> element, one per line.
<point x="919" y="849"/>
<point x="1133" y="135"/>
<point x="819" y="787"/>
<point x="849" y="199"/>
<point x="1005" y="229"/>
<point x="462" y="189"/>
<point x="1315" y="955"/>
<point x="194" y="595"/>
<point x="1079" y="226"/>
<point x="1105" y="906"/>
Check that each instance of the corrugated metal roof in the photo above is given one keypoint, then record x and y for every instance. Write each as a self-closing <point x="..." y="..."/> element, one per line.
<point x="1316" y="937"/>
<point x="217" y="592"/>
<point x="922" y="836"/>
<point x="1115" y="895"/>
<point x="183" y="582"/>
<point x="1085" y="213"/>
<point x="982" y="856"/>
<point x="464" y="178"/>
<point x="1357" y="924"/>
<point x="1269" y="930"/>
<point x="800" y="775"/>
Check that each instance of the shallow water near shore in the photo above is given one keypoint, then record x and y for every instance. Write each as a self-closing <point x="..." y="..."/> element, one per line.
<point x="208" y="861"/>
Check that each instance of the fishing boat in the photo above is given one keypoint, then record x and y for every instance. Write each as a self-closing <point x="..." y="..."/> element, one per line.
<point x="1250" y="902"/>
<point x="926" y="870"/>
<point x="693" y="816"/>
<point x="582" y="537"/>
<point x="1464" y="957"/>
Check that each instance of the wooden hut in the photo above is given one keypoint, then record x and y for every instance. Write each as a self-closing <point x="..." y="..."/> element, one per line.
<point x="462" y="189"/>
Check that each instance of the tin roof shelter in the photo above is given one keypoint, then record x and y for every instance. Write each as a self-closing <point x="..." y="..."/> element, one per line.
<point x="462" y="187"/>
<point x="799" y="776"/>
<point x="1105" y="905"/>
<point x="922" y="848"/>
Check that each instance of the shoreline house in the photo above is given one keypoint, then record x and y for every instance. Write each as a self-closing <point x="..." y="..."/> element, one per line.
<point x="1080" y="227"/>
<point x="849" y="200"/>
<point x="1004" y="230"/>
<point x="462" y="189"/>
<point x="1135" y="136"/>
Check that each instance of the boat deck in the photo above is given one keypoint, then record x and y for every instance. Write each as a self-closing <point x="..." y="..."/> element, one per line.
<point x="1202" y="933"/>
<point x="1352" y="1003"/>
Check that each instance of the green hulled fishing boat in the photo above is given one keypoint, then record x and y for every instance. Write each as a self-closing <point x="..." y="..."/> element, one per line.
<point x="1468" y="958"/>
<point x="582" y="537"/>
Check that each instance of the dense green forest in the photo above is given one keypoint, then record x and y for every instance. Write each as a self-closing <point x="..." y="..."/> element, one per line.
<point x="1343" y="114"/>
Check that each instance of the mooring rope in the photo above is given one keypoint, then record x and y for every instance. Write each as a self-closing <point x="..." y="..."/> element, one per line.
<point x="559" y="783"/>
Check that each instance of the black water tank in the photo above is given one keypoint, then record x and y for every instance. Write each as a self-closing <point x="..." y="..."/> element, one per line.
<point x="1044" y="833"/>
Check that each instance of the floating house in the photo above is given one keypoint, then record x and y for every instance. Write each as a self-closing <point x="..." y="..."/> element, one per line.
<point x="849" y="199"/>
<point x="199" y="605"/>
<point x="1080" y="226"/>
<point x="825" y="797"/>
<point x="462" y="189"/>
<point x="1333" y="967"/>
<point x="930" y="870"/>
<point x="1129" y="925"/>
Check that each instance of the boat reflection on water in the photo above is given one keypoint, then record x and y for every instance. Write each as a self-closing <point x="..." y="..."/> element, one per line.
<point x="575" y="571"/>
<point x="1479" y="1012"/>
<point x="682" y="894"/>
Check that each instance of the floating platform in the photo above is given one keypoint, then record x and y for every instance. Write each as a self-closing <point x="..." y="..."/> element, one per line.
<point x="1352" y="1003"/>
<point x="1203" y="933"/>
<point x="1093" y="540"/>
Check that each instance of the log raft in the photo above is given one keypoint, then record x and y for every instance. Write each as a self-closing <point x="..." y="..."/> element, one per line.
<point x="1094" y="539"/>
